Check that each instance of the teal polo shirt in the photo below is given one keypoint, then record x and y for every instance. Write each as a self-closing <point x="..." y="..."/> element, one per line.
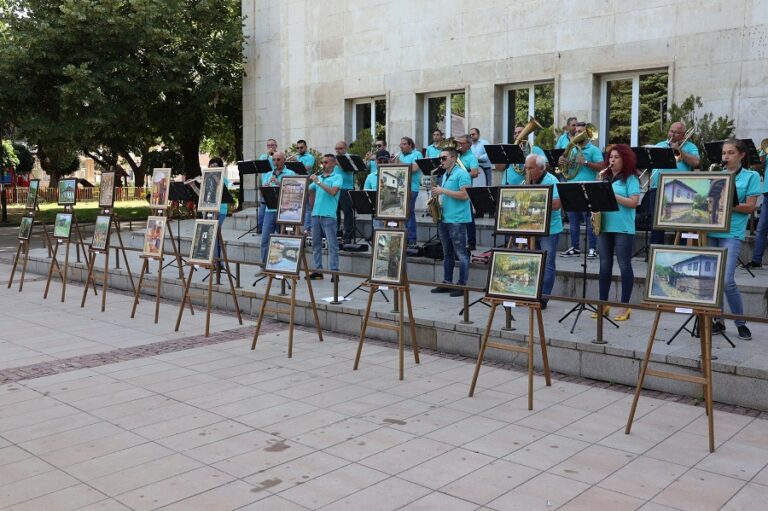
<point x="372" y="181"/>
<point x="325" y="203"/>
<point x="266" y="177"/>
<point x="469" y="160"/>
<point x="410" y="158"/>
<point x="224" y="207"/>
<point x="307" y="160"/>
<point x="591" y="154"/>
<point x="765" y="170"/>
<point x="562" y="141"/>
<point x="747" y="185"/>
<point x="265" y="156"/>
<point x="556" y="219"/>
<point x="511" y="177"/>
<point x="347" y="178"/>
<point x="456" y="211"/>
<point x="622" y="220"/>
<point x="432" y="151"/>
<point x="688" y="147"/>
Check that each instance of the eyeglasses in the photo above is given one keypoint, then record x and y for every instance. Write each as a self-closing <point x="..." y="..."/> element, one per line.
<point x="443" y="158"/>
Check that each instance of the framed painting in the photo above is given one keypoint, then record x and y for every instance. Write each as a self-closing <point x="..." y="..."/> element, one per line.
<point x="161" y="184"/>
<point x="524" y="210"/>
<point x="67" y="192"/>
<point x="100" y="240"/>
<point x="154" y="236"/>
<point x="34" y="188"/>
<point x="25" y="227"/>
<point x="685" y="276"/>
<point x="211" y="190"/>
<point x="394" y="188"/>
<point x="62" y="226"/>
<point x="516" y="274"/>
<point x="284" y="254"/>
<point x="293" y="192"/>
<point x="389" y="246"/>
<point x="203" y="242"/>
<point x="107" y="190"/>
<point x="694" y="201"/>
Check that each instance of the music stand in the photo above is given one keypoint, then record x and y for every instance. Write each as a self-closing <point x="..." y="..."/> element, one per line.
<point x="506" y="154"/>
<point x="553" y="156"/>
<point x="582" y="197"/>
<point x="364" y="202"/>
<point x="181" y="193"/>
<point x="297" y="167"/>
<point x="255" y="167"/>
<point x="484" y="199"/>
<point x="352" y="163"/>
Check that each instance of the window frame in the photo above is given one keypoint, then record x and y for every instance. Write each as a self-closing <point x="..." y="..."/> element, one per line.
<point x="531" y="86"/>
<point x="635" y="104"/>
<point x="425" y="111"/>
<point x="371" y="100"/>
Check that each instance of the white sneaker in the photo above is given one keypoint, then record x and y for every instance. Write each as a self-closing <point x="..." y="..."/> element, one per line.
<point x="571" y="252"/>
<point x="592" y="253"/>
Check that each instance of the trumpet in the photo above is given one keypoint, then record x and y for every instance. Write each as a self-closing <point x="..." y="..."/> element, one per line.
<point x="292" y="157"/>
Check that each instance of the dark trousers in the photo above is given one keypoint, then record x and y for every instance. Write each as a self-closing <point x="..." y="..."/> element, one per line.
<point x="345" y="207"/>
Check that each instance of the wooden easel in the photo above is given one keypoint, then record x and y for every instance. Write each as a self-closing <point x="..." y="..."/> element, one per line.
<point x="294" y="279"/>
<point x="187" y="298"/>
<point x="23" y="251"/>
<point x="54" y="261"/>
<point x="534" y="308"/>
<point x="705" y="334"/>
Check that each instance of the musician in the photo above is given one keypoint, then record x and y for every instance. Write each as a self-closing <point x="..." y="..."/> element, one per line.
<point x="747" y="189"/>
<point x="568" y="134"/>
<point x="689" y="159"/>
<point x="762" y="224"/>
<point x="514" y="173"/>
<point x="469" y="160"/>
<point x="456" y="213"/>
<point x="617" y="232"/>
<point x="478" y="149"/>
<point x="271" y="150"/>
<point x="308" y="161"/>
<point x="433" y="149"/>
<point x="536" y="170"/>
<point x="409" y="154"/>
<point x="590" y="161"/>
<point x="344" y="200"/>
<point x="326" y="187"/>
<point x="272" y="178"/>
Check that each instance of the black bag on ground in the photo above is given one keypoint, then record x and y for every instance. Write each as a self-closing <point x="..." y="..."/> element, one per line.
<point x="433" y="249"/>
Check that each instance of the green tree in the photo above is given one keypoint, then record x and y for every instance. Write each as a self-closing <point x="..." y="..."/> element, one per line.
<point x="707" y="127"/>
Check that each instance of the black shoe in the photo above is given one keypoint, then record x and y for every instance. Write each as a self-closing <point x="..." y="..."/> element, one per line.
<point x="456" y="292"/>
<point x="744" y="333"/>
<point x="543" y="305"/>
<point x="316" y="276"/>
<point x="471" y="247"/>
<point x="718" y="327"/>
<point x="440" y="290"/>
<point x="752" y="264"/>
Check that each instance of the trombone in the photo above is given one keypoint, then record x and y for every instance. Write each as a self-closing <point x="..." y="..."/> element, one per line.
<point x="677" y="153"/>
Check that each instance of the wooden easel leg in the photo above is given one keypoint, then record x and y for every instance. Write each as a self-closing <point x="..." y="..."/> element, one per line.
<point x="312" y="298"/>
<point x="125" y="256"/>
<point x="401" y="335"/>
<point x="705" y="332"/>
<point x="64" y="278"/>
<point x="137" y="291"/>
<point x="261" y="311"/>
<point x="643" y="369"/>
<point x="54" y="263"/>
<point x="365" y="326"/>
<point x="412" y="323"/>
<point x="184" y="297"/>
<point x="482" y="349"/>
<point x="157" y="289"/>
<point x="530" y="358"/>
<point x="15" y="263"/>
<point x="176" y="252"/>
<point x="229" y="277"/>
<point x="91" y="260"/>
<point x="292" y="316"/>
<point x="80" y="244"/>
<point x="47" y="242"/>
<point x="24" y="265"/>
<point x="543" y="340"/>
<point x="208" y="308"/>
<point x="105" y="282"/>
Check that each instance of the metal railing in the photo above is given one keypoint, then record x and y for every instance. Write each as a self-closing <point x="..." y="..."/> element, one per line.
<point x="18" y="195"/>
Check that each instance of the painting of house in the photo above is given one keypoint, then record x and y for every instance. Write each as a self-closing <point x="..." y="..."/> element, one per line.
<point x="685" y="275"/>
<point x="693" y="201"/>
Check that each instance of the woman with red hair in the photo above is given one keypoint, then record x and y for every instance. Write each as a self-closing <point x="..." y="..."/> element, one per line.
<point x="617" y="233"/>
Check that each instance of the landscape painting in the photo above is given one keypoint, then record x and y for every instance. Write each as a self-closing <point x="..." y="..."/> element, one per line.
<point x="685" y="276"/>
<point x="62" y="226"/>
<point x="516" y="274"/>
<point x="524" y="210"/>
<point x="388" y="256"/>
<point x="25" y="227"/>
<point x="689" y="201"/>
<point x="67" y="192"/>
<point x="100" y="239"/>
<point x="393" y="188"/>
<point x="284" y="254"/>
<point x="34" y="187"/>
<point x="107" y="190"/>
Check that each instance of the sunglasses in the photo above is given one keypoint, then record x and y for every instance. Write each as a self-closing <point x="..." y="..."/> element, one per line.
<point x="443" y="158"/>
<point x="379" y="145"/>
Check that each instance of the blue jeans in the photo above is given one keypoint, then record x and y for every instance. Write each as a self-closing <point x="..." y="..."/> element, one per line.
<point x="762" y="231"/>
<point x="657" y="237"/>
<point x="621" y="244"/>
<point x="269" y="227"/>
<point x="731" y="290"/>
<point x="488" y="175"/>
<point x="262" y="210"/>
<point x="548" y="244"/>
<point x="454" y="240"/>
<point x="574" y="224"/>
<point x="325" y="226"/>
<point x="411" y="223"/>
<point x="307" y="215"/>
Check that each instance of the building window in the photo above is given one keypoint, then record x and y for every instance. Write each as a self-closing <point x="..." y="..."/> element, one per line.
<point x="445" y="111"/>
<point x="632" y="107"/>
<point x="523" y="101"/>
<point x="368" y="112"/>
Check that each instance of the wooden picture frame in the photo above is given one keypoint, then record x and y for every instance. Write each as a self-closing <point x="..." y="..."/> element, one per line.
<point x="516" y="274"/>
<point x="25" y="227"/>
<point x="62" y="226"/>
<point x="211" y="190"/>
<point x="161" y="185"/>
<point x="204" y="239"/>
<point x="393" y="192"/>
<point x="694" y="201"/>
<point x="284" y="254"/>
<point x="67" y="192"/>
<point x="154" y="237"/>
<point x="101" y="232"/>
<point x="388" y="260"/>
<point x="685" y="276"/>
<point x="524" y="210"/>
<point x="32" y="194"/>
<point x="293" y="194"/>
<point x="107" y="190"/>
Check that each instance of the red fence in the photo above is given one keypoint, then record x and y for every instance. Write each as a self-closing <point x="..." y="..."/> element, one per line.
<point x="18" y="195"/>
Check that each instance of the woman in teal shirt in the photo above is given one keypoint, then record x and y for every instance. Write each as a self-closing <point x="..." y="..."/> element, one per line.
<point x="617" y="232"/>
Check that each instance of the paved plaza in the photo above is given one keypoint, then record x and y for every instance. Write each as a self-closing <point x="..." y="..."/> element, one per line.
<point x="102" y="412"/>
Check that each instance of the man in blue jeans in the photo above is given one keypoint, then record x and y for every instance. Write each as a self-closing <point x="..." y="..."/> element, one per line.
<point x="457" y="213"/>
<point x="326" y="188"/>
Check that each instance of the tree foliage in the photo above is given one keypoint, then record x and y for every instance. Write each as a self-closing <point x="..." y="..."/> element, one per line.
<point x="707" y="127"/>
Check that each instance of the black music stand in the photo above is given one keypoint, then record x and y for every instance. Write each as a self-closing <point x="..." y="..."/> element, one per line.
<point x="364" y="202"/>
<point x="582" y="197"/>
<point x="483" y="199"/>
<point x="256" y="167"/>
<point x="553" y="156"/>
<point x="181" y="193"/>
<point x="297" y="167"/>
<point x="352" y="163"/>
<point x="506" y="154"/>
<point x="429" y="165"/>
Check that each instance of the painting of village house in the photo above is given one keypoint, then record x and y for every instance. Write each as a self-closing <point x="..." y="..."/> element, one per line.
<point x="690" y="201"/>
<point x="524" y="210"/>
<point x="293" y="190"/>
<point x="67" y="192"/>
<point x="687" y="276"/>
<point x="284" y="254"/>
<point x="388" y="256"/>
<point x="392" y="197"/>
<point x="516" y="274"/>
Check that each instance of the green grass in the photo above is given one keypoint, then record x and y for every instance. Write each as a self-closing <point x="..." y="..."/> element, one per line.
<point x="85" y="211"/>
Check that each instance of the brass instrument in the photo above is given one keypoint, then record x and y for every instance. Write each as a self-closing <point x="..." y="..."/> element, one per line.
<point x="764" y="145"/>
<point x="677" y="153"/>
<point x="291" y="157"/>
<point x="522" y="141"/>
<point x="571" y="167"/>
<point x="597" y="216"/>
<point x="433" y="204"/>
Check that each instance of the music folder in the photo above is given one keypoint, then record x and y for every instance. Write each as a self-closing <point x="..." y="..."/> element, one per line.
<point x="428" y="165"/>
<point x="661" y="157"/>
<point x="553" y="155"/>
<point x="254" y="167"/>
<point x="484" y="199"/>
<point x="297" y="167"/>
<point x="270" y="195"/>
<point x="504" y="154"/>
<point x="363" y="201"/>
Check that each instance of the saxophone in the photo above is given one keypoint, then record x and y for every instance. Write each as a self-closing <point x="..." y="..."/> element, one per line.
<point x="433" y="204"/>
